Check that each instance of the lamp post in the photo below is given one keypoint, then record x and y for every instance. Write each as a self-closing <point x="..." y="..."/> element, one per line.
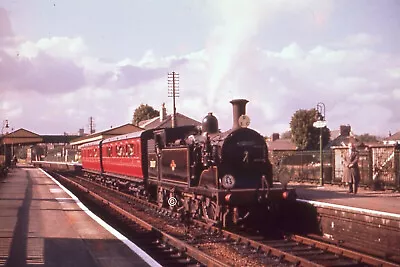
<point x="4" y="126"/>
<point x="321" y="123"/>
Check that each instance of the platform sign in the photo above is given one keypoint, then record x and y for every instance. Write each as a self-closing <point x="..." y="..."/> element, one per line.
<point x="319" y="124"/>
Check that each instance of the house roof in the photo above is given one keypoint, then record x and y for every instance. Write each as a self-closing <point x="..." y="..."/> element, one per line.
<point x="393" y="137"/>
<point x="123" y="129"/>
<point x="335" y="134"/>
<point x="144" y="123"/>
<point x="342" y="139"/>
<point x="281" y="144"/>
<point x="181" y="120"/>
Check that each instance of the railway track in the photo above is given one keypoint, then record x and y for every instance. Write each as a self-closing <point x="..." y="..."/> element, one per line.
<point x="174" y="241"/>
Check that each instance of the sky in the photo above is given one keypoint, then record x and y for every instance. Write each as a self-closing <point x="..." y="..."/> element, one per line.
<point x="62" y="62"/>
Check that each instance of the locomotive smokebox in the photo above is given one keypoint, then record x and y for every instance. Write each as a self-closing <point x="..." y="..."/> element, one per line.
<point x="239" y="109"/>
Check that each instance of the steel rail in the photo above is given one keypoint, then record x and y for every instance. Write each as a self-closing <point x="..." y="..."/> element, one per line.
<point x="360" y="257"/>
<point x="268" y="249"/>
<point x="178" y="244"/>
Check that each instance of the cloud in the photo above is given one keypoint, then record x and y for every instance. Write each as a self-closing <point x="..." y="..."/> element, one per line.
<point x="62" y="47"/>
<point x="131" y="75"/>
<point x="43" y="74"/>
<point x="358" y="40"/>
<point x="127" y="73"/>
<point x="7" y="37"/>
<point x="43" y="66"/>
<point x="5" y="24"/>
<point x="240" y="22"/>
<point x="277" y="83"/>
<point x="51" y="78"/>
<point x="396" y="93"/>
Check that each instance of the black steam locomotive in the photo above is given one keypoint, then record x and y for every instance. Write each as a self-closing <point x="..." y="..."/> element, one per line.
<point x="217" y="176"/>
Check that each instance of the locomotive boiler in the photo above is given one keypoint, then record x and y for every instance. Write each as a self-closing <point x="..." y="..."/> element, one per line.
<point x="218" y="176"/>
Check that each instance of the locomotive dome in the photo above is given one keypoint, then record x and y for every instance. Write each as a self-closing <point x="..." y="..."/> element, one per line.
<point x="210" y="124"/>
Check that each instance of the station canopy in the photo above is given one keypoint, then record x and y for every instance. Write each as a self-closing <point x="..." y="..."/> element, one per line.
<point x="25" y="137"/>
<point x="21" y="136"/>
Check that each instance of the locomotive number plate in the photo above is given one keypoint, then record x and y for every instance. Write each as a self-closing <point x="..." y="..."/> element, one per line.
<point x="228" y="181"/>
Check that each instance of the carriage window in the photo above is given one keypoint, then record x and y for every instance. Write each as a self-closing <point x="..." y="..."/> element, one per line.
<point x="119" y="151"/>
<point x="126" y="151"/>
<point x="123" y="149"/>
<point x="130" y="150"/>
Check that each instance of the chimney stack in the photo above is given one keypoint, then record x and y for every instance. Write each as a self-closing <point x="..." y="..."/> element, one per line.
<point x="163" y="113"/>
<point x="275" y="136"/>
<point x="239" y="109"/>
<point x="345" y="130"/>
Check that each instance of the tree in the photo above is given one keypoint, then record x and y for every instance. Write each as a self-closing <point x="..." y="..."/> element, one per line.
<point x="144" y="112"/>
<point x="367" y="138"/>
<point x="286" y="135"/>
<point x="304" y="134"/>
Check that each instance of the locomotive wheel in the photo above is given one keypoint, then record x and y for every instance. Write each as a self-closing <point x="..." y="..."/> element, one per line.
<point x="173" y="196"/>
<point x="160" y="197"/>
<point x="190" y="205"/>
<point x="210" y="210"/>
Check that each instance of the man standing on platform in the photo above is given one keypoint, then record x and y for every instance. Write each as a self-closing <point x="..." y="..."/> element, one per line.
<point x="351" y="172"/>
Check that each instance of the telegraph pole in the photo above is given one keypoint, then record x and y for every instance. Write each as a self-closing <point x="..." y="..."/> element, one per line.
<point x="91" y="125"/>
<point x="173" y="91"/>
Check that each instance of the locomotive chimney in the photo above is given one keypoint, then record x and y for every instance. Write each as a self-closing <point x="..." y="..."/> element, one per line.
<point x="239" y="109"/>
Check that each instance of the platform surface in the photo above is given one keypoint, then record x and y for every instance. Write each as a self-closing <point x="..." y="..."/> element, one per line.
<point x="41" y="225"/>
<point x="382" y="201"/>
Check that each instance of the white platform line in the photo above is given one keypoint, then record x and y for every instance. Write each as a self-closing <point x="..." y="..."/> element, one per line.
<point x="109" y="228"/>
<point x="367" y="211"/>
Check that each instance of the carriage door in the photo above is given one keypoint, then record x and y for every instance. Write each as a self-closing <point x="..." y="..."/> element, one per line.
<point x="159" y="146"/>
<point x="154" y="147"/>
<point x="152" y="164"/>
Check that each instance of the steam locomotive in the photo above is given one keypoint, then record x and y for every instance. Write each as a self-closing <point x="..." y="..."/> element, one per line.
<point x="217" y="176"/>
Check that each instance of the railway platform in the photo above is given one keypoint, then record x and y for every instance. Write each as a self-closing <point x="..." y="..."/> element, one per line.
<point x="43" y="224"/>
<point x="367" y="221"/>
<point x="379" y="201"/>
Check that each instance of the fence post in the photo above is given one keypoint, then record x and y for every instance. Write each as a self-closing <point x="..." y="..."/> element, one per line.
<point x="397" y="170"/>
<point x="370" y="166"/>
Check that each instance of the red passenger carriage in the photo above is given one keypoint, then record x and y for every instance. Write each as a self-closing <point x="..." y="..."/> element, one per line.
<point x="90" y="156"/>
<point x="122" y="155"/>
